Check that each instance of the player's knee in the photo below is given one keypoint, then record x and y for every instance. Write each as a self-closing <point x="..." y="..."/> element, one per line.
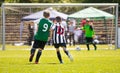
<point x="57" y="50"/>
<point x="40" y="49"/>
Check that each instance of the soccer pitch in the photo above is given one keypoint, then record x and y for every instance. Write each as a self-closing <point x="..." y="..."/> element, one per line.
<point x="15" y="60"/>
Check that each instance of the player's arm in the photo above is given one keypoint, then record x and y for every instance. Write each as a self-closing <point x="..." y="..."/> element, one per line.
<point x="82" y="28"/>
<point x="93" y="33"/>
<point x="51" y="33"/>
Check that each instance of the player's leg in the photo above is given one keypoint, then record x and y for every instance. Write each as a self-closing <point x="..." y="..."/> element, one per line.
<point x="58" y="52"/>
<point x="88" y="46"/>
<point x="94" y="44"/>
<point x="32" y="51"/>
<point x="41" y="45"/>
<point x="67" y="52"/>
<point x="38" y="55"/>
<point x="59" y="55"/>
<point x="88" y="41"/>
<point x="95" y="47"/>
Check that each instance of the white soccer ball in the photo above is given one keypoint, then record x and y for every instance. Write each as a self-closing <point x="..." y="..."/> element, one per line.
<point x="96" y="41"/>
<point x="78" y="48"/>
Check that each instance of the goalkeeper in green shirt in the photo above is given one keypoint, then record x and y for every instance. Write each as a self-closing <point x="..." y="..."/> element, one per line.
<point x="89" y="34"/>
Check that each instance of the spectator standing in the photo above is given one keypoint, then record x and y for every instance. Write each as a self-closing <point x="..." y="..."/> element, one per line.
<point x="71" y="28"/>
<point x="31" y="34"/>
<point x="83" y="22"/>
<point x="77" y="35"/>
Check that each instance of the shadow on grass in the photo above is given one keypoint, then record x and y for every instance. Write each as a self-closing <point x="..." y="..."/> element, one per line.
<point x="53" y="63"/>
<point x="42" y="63"/>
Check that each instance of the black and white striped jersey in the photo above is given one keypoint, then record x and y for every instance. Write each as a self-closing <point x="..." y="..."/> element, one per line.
<point x="58" y="33"/>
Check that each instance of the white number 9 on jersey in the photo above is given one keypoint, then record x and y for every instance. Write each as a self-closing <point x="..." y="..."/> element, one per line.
<point x="45" y="27"/>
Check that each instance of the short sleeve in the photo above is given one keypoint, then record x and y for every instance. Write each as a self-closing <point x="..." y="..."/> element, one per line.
<point x="53" y="26"/>
<point x="36" y="21"/>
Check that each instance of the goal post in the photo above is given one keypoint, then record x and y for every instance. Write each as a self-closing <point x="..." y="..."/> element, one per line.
<point x="0" y="27"/>
<point x="3" y="28"/>
<point x="22" y="9"/>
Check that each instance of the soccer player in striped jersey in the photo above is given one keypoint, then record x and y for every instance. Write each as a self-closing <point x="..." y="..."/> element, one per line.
<point x="41" y="36"/>
<point x="59" y="38"/>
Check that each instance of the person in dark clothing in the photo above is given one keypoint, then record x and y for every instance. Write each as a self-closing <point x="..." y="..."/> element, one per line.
<point x="31" y="34"/>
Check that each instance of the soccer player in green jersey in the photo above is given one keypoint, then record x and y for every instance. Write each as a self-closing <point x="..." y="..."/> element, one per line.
<point x="41" y="37"/>
<point x="89" y="34"/>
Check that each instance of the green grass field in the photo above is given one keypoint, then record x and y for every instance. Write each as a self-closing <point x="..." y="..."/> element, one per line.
<point x="15" y="60"/>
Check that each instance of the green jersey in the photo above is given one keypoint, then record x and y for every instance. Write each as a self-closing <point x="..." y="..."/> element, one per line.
<point x="89" y="32"/>
<point x="43" y="29"/>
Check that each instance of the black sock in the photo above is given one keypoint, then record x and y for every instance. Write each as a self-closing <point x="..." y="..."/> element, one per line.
<point x="32" y="51"/>
<point x="59" y="56"/>
<point x="66" y="52"/>
<point x="88" y="47"/>
<point x="38" y="55"/>
<point x="95" y="46"/>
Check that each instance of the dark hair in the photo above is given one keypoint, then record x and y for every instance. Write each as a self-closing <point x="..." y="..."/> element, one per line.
<point x="58" y="18"/>
<point x="46" y="14"/>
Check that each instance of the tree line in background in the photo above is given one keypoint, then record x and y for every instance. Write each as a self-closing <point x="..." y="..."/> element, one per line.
<point x="65" y="10"/>
<point x="60" y="1"/>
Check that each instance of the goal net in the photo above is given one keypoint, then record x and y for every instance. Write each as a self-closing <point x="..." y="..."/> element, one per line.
<point x="17" y="30"/>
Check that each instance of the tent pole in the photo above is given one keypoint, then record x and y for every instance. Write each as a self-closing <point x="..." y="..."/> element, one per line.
<point x="105" y="29"/>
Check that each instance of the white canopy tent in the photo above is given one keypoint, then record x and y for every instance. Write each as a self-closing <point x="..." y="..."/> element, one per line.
<point x="35" y="17"/>
<point x="91" y="12"/>
<point x="39" y="14"/>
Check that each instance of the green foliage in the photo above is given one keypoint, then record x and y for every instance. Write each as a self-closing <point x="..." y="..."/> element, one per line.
<point x="62" y="1"/>
<point x="1" y="1"/>
<point x="25" y="1"/>
<point x="101" y="1"/>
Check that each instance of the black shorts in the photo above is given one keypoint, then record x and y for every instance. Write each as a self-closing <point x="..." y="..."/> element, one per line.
<point x="59" y="45"/>
<point x="39" y="44"/>
<point x="89" y="40"/>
